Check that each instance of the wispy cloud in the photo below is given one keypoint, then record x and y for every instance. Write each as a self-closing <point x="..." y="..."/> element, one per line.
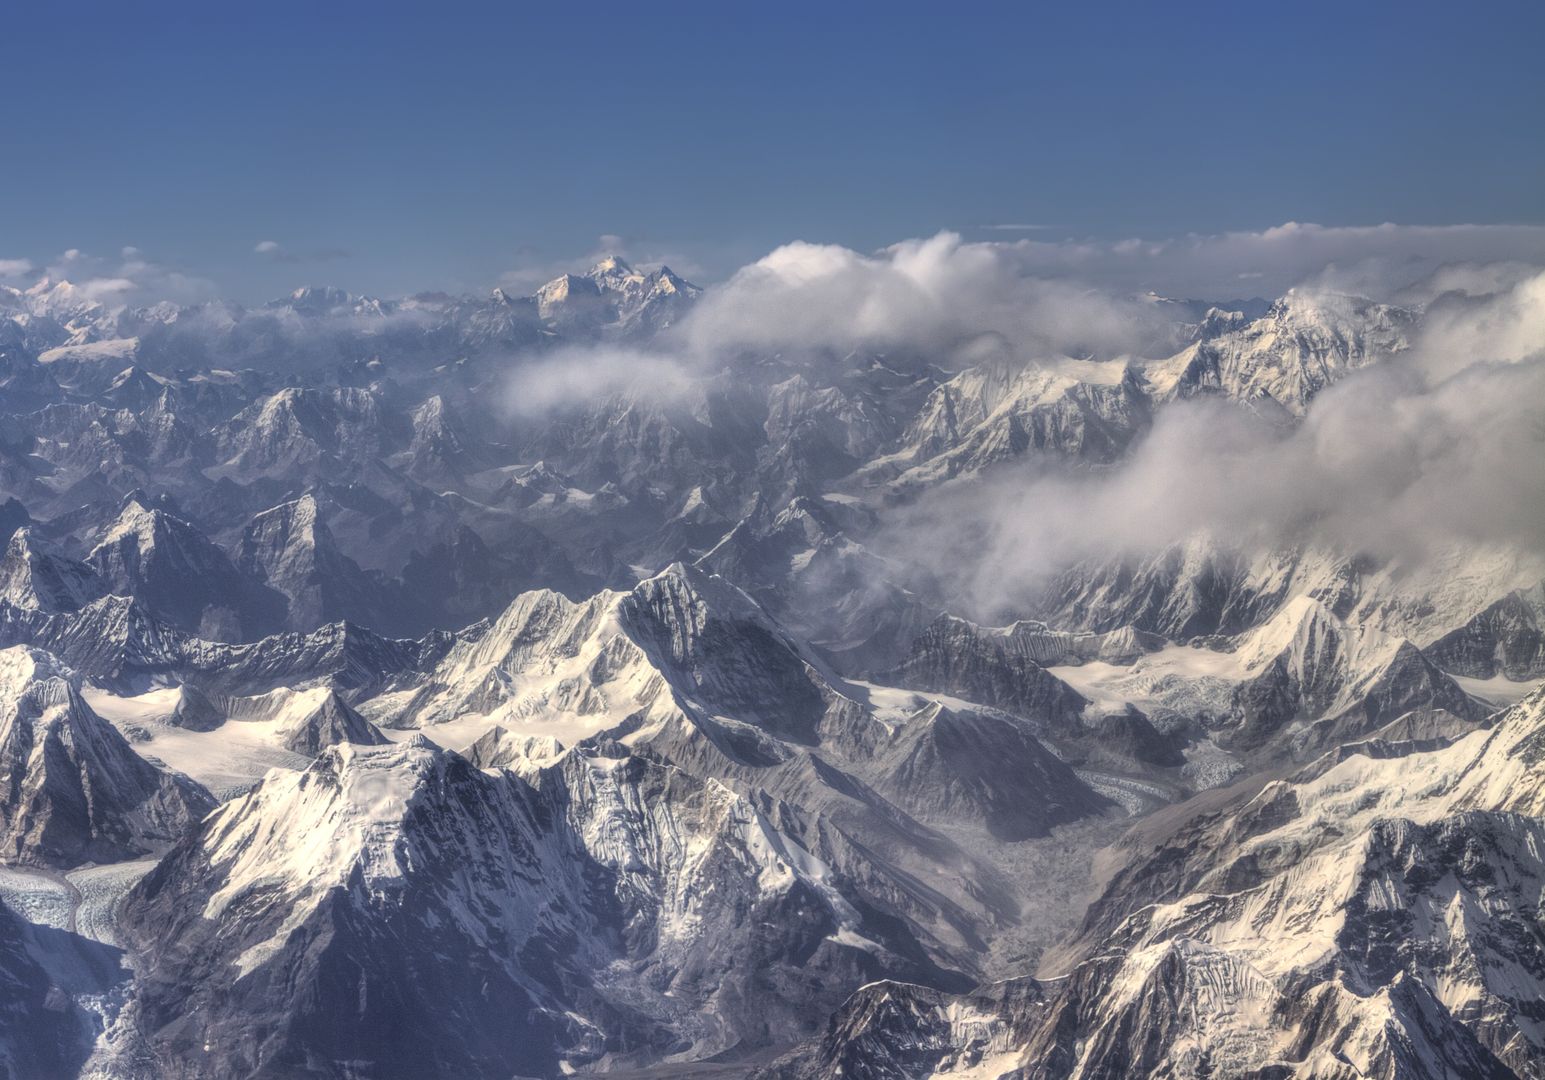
<point x="132" y="278"/>
<point x="1373" y="260"/>
<point x="277" y="252"/>
<point x="582" y="377"/>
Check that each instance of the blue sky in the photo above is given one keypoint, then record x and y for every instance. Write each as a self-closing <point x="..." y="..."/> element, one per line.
<point x="389" y="148"/>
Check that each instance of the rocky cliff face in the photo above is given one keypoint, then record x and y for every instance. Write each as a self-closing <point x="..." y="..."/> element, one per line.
<point x="1505" y="639"/>
<point x="956" y="766"/>
<point x="44" y="1032"/>
<point x="179" y="575"/>
<point x="1307" y="665"/>
<point x="36" y="575"/>
<point x="1002" y="669"/>
<point x="330" y="723"/>
<point x="291" y="551"/>
<point x="74" y="790"/>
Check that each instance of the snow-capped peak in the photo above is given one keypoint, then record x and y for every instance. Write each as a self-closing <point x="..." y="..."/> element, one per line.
<point x="611" y="265"/>
<point x="311" y="829"/>
<point x="21" y="667"/>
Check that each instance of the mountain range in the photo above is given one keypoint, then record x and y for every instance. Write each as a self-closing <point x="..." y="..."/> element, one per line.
<point x="502" y="686"/>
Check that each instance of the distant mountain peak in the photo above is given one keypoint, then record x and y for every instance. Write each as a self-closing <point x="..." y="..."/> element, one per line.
<point x="611" y="264"/>
<point x="319" y="297"/>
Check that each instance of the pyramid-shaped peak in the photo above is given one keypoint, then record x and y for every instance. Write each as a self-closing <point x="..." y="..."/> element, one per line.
<point x="611" y="264"/>
<point x="331" y="723"/>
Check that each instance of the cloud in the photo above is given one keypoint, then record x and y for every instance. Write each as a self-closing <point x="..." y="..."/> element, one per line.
<point x="15" y="268"/>
<point x="132" y="279"/>
<point x="1427" y="451"/>
<point x="277" y="252"/>
<point x="934" y="296"/>
<point x="1074" y="296"/>
<point x="1372" y="260"/>
<point x="106" y="289"/>
<point x="576" y="377"/>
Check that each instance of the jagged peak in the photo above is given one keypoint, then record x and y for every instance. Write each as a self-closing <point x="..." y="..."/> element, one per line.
<point x="22" y="666"/>
<point x="317" y="297"/>
<point x="699" y="583"/>
<point x="683" y="599"/>
<point x="499" y="748"/>
<point x="667" y="281"/>
<point x="332" y="722"/>
<point x="61" y="293"/>
<point x="135" y="519"/>
<point x="313" y="828"/>
<point x="299" y="515"/>
<point x="1328" y="311"/>
<point x="1305" y="634"/>
<point x="35" y="574"/>
<point x="611" y="264"/>
<point x="434" y="412"/>
<point x="564" y="285"/>
<point x="136" y="374"/>
<point x="25" y="541"/>
<point x="139" y="518"/>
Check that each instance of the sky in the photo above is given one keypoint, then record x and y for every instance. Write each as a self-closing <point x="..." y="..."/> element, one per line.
<point x="244" y="149"/>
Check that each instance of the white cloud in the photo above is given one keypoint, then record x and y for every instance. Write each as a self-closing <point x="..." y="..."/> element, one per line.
<point x="577" y="377"/>
<point x="1373" y="260"/>
<point x="15" y="268"/>
<point x="132" y="279"/>
<point x="277" y="252"/>
<point x="934" y="295"/>
<point x="1076" y="296"/>
<point x="106" y="289"/>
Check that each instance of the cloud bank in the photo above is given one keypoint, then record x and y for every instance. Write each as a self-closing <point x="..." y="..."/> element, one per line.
<point x="1437" y="449"/>
<point x="1079" y="297"/>
<point x="930" y="296"/>
<point x="1371" y="260"/>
